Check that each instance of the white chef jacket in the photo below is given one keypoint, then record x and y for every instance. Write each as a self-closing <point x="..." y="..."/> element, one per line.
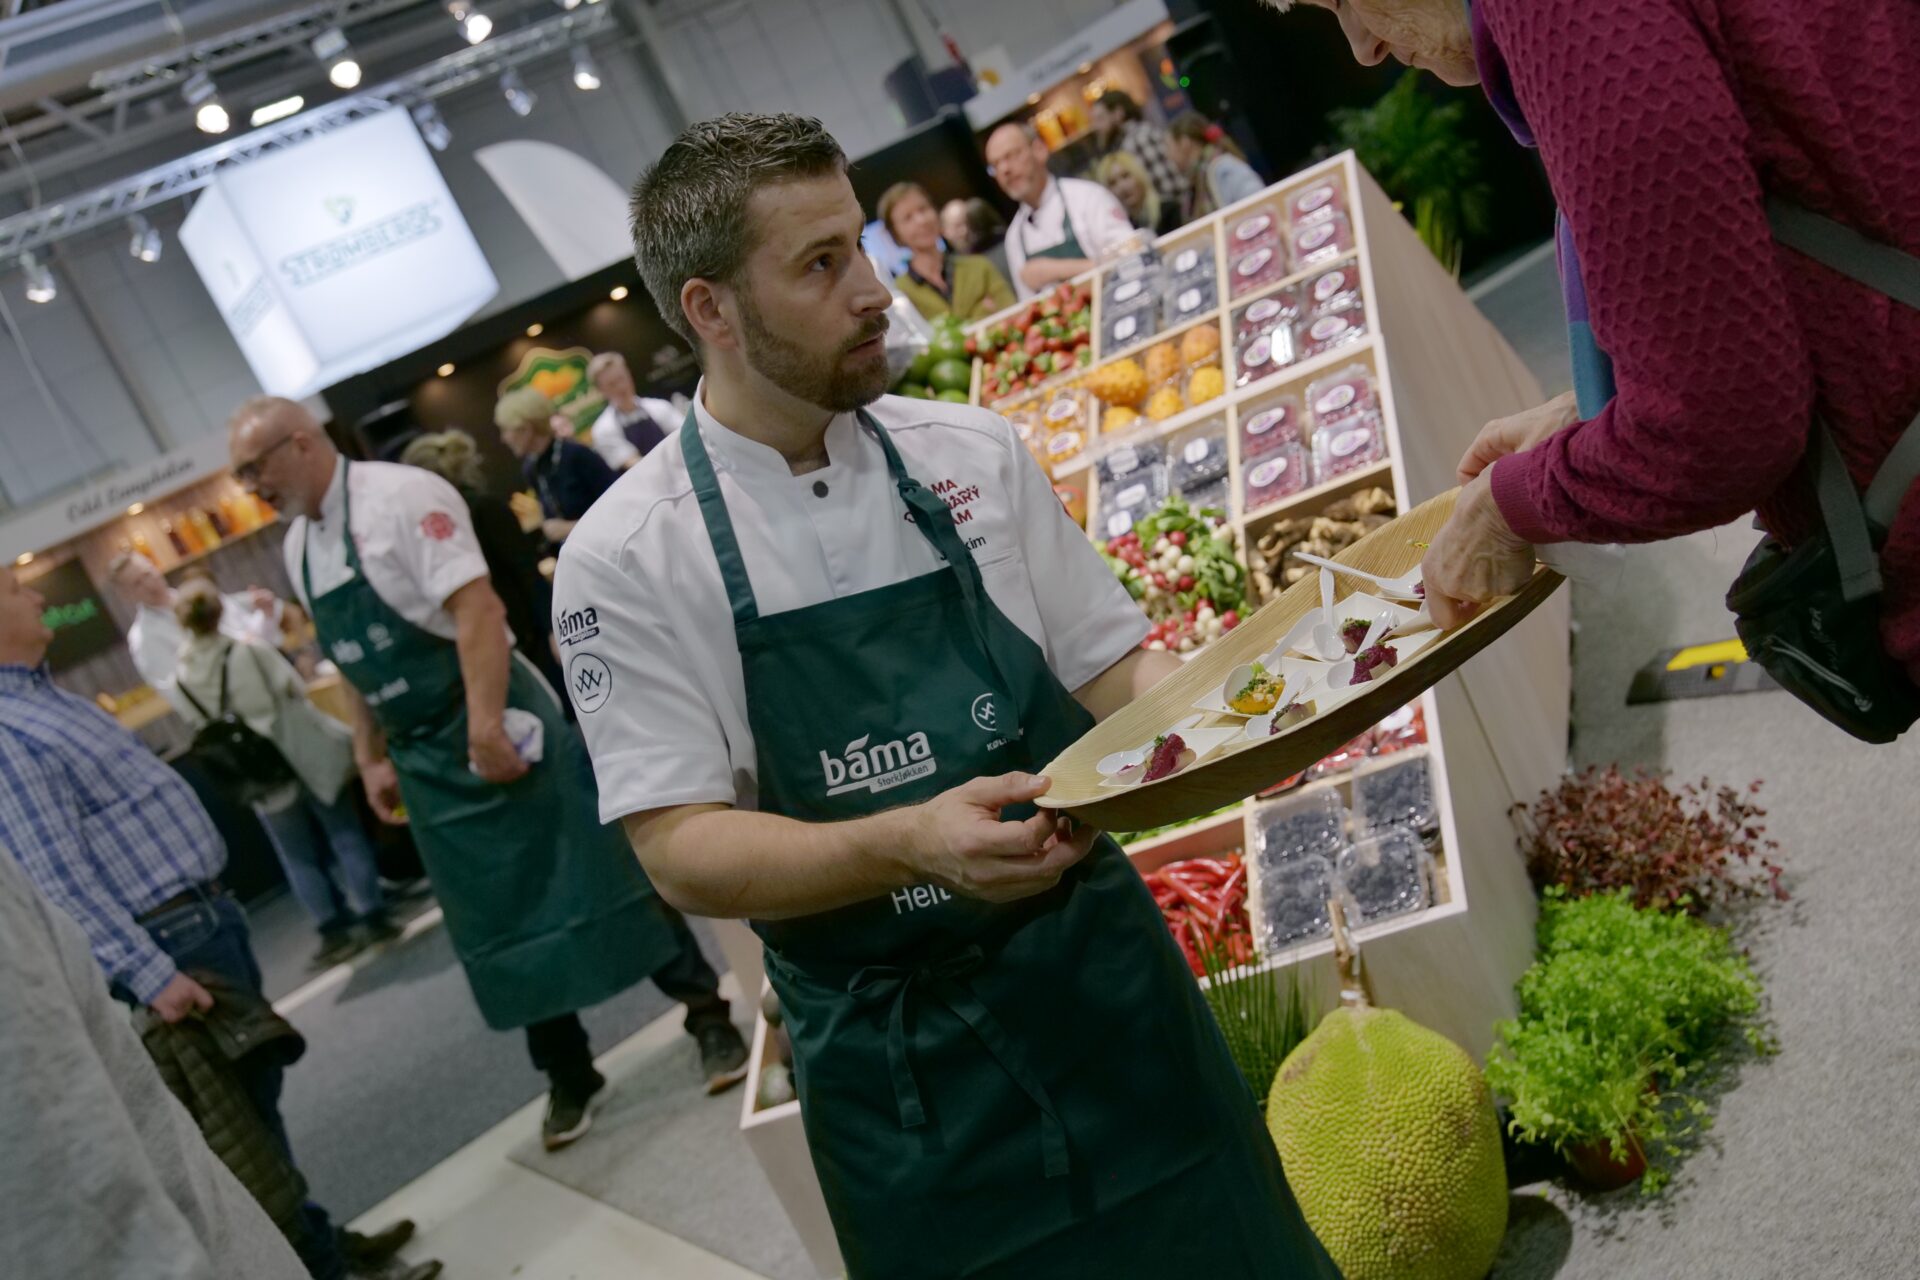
<point x="1098" y="220"/>
<point x="642" y="617"/>
<point x="413" y="533"/>
<point x="155" y="638"/>
<point x="610" y="434"/>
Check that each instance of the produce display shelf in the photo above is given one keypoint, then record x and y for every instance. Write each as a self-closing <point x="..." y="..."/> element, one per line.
<point x="1054" y="382"/>
<point x="1171" y="334"/>
<point x="225" y="543"/>
<point x="1441" y="370"/>
<point x="1305" y="370"/>
<point x="1380" y="473"/>
<point x="1179" y="422"/>
<point x="1203" y="837"/>
<point x="1298" y="277"/>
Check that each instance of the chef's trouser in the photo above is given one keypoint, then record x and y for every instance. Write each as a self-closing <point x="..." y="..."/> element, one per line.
<point x="560" y="1048"/>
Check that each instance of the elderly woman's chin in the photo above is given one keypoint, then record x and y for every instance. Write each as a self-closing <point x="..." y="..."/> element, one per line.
<point x="1456" y="70"/>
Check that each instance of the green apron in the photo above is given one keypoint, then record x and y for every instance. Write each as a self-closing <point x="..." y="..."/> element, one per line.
<point x="1069" y="247"/>
<point x="985" y="1088"/>
<point x="547" y="909"/>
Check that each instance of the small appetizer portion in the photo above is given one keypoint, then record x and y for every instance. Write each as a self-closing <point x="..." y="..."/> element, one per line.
<point x="1170" y="756"/>
<point x="1369" y="661"/>
<point x="1260" y="693"/>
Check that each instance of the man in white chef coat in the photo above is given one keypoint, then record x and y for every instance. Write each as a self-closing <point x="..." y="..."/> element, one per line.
<point x="155" y="636"/>
<point x="461" y="739"/>
<point x="821" y="641"/>
<point x="1063" y="226"/>
<point x="631" y="424"/>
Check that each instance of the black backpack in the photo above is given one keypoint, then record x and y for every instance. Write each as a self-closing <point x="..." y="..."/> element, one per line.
<point x="1811" y="616"/>
<point x="244" y="765"/>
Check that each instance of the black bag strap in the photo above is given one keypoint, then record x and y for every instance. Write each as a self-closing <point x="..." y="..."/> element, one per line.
<point x="195" y="702"/>
<point x="226" y="664"/>
<point x="1854" y="525"/>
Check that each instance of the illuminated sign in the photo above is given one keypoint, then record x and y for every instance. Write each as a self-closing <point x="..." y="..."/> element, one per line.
<point x="337" y="255"/>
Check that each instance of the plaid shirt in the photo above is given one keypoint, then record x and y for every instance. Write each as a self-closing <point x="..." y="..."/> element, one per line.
<point x="105" y="828"/>
<point x="1147" y="143"/>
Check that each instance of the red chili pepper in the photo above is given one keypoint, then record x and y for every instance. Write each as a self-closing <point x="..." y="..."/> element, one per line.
<point x="1193" y="896"/>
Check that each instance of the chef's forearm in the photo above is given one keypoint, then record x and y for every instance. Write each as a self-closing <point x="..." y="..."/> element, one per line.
<point x="725" y="863"/>
<point x="485" y="656"/>
<point x="1125" y="680"/>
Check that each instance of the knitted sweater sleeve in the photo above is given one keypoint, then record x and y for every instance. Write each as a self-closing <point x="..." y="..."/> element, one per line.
<point x="1649" y="158"/>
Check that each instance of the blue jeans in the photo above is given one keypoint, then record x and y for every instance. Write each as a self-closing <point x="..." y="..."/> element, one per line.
<point x="211" y="934"/>
<point x="330" y="865"/>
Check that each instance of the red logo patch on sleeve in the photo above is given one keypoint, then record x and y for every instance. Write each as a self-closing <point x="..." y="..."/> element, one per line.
<point x="437" y="525"/>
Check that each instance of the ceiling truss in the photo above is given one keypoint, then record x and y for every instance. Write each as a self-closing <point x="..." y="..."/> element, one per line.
<point x="111" y="202"/>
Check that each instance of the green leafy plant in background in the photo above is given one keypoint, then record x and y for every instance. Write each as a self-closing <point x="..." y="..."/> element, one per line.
<point x="1623" y="1008"/>
<point x="1417" y="149"/>
<point x="1263" y="1017"/>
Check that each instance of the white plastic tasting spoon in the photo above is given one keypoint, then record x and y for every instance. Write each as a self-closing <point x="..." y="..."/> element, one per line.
<point x="1401" y="588"/>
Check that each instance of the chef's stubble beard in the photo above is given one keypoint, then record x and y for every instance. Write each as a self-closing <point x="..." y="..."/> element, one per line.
<point x="807" y="377"/>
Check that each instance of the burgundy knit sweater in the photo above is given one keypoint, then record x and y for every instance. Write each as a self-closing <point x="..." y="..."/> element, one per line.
<point x="1661" y="123"/>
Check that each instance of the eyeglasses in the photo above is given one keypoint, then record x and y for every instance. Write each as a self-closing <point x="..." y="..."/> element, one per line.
<point x="249" y="472"/>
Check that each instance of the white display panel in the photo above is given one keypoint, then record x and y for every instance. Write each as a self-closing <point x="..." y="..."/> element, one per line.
<point x="336" y="255"/>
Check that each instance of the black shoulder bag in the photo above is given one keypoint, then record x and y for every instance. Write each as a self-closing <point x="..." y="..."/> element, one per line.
<point x="246" y="766"/>
<point x="1811" y="616"/>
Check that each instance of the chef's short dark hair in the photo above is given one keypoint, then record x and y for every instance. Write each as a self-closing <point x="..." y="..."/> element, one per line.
<point x="689" y="210"/>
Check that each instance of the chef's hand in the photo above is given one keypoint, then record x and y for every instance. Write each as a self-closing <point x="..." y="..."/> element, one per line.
<point x="1474" y="558"/>
<point x="964" y="845"/>
<point x="262" y="599"/>
<point x="180" y="998"/>
<point x="382" y="782"/>
<point x="493" y="756"/>
<point x="1518" y="433"/>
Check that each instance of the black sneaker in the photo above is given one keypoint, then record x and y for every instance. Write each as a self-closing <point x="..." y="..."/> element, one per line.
<point x="570" y="1113"/>
<point x="377" y="928"/>
<point x="377" y="1249"/>
<point x="723" y="1056"/>
<point x="337" y="946"/>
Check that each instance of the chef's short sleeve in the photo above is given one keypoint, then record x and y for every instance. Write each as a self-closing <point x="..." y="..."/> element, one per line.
<point x="1090" y="620"/>
<point x="651" y="727"/>
<point x="433" y="539"/>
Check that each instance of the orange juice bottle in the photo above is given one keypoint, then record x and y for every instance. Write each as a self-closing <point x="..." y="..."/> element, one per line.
<point x="236" y="519"/>
<point x="189" y="537"/>
<point x="209" y="536"/>
<point x="142" y="547"/>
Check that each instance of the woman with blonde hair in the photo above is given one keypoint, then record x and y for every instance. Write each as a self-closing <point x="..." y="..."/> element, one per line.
<point x="312" y="822"/>
<point x="1122" y="173"/>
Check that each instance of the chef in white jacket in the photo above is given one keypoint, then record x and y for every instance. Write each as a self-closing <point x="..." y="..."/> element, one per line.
<point x="155" y="637"/>
<point x="1064" y="226"/>
<point x="631" y="424"/>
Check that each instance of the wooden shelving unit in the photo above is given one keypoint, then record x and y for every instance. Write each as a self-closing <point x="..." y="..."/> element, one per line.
<point x="1497" y="730"/>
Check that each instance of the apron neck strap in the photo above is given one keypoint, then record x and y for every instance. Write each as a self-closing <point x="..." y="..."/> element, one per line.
<point x="346" y="531"/>
<point x="713" y="509"/>
<point x="925" y="508"/>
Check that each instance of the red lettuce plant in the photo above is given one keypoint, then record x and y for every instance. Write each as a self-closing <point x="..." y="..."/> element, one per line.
<point x="1696" y="847"/>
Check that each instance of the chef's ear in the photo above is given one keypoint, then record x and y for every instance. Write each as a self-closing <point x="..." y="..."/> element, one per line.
<point x="709" y="308"/>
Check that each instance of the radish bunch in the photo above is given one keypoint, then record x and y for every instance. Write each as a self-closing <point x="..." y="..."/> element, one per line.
<point x="1179" y="565"/>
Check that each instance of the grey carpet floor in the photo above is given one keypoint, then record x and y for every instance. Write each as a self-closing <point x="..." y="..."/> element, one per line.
<point x="665" y="1153"/>
<point x="401" y="1072"/>
<point x="1813" y="1166"/>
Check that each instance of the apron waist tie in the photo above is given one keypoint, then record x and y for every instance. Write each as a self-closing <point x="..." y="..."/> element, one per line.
<point x="945" y="980"/>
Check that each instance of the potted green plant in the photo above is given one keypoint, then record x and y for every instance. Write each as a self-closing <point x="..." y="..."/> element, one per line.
<point x="1418" y="149"/>
<point x="1622" y="1009"/>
